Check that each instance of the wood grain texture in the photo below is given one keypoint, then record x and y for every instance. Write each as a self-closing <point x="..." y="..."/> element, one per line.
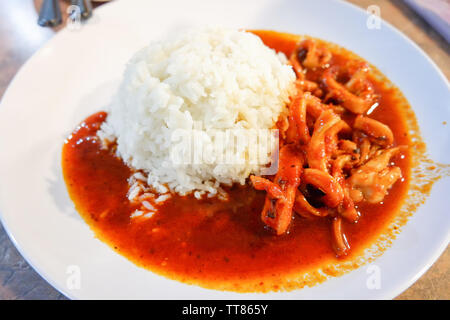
<point x="20" y="37"/>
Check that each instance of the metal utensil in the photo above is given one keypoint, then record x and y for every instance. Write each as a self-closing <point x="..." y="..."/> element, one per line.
<point x="85" y="8"/>
<point x="50" y="14"/>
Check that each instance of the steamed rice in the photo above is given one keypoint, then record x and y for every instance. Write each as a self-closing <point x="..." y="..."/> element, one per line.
<point x="221" y="78"/>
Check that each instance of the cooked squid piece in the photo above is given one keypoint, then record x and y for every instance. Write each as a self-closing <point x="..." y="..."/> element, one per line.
<point x="372" y="181"/>
<point x="313" y="55"/>
<point x="316" y="153"/>
<point x="346" y="208"/>
<point x="356" y="95"/>
<point x="378" y="132"/>
<point x="298" y="111"/>
<point x="333" y="193"/>
<point x="309" y="55"/>
<point x="332" y="136"/>
<point x="304" y="108"/>
<point x="273" y="190"/>
<point x="305" y="209"/>
<point x="277" y="211"/>
<point x="340" y="243"/>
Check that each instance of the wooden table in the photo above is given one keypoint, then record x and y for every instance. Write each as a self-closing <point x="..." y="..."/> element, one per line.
<point x="20" y="37"/>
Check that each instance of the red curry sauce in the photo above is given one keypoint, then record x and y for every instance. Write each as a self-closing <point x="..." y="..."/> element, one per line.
<point x="216" y="244"/>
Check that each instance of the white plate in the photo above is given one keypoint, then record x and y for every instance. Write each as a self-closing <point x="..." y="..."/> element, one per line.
<point x="76" y="73"/>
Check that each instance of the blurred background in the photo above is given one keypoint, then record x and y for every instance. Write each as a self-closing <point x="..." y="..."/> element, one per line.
<point x="426" y="22"/>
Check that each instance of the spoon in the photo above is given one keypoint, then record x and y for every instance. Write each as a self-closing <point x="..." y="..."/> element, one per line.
<point x="50" y="14"/>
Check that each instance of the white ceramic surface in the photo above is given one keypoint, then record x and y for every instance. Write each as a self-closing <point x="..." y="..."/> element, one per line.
<point x="76" y="73"/>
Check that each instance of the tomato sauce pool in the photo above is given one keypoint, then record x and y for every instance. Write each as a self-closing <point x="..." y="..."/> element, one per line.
<point x="212" y="243"/>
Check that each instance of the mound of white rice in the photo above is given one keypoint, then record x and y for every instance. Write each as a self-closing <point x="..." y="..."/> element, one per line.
<point x="220" y="78"/>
